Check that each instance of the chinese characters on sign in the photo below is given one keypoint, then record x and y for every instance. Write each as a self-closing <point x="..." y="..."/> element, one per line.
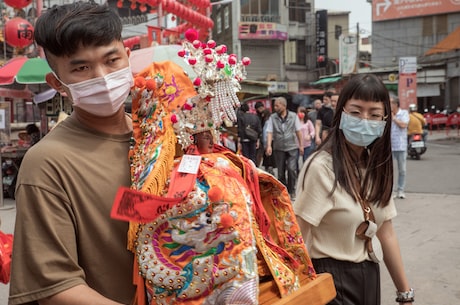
<point x="262" y="30"/>
<point x="321" y="38"/>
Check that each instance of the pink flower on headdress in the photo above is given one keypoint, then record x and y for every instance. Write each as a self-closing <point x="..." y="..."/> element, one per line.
<point x="211" y="44"/>
<point x="191" y="35"/>
<point x="188" y="106"/>
<point x="197" y="82"/>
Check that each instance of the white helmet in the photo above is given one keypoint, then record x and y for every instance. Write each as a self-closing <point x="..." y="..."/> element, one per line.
<point x="413" y="107"/>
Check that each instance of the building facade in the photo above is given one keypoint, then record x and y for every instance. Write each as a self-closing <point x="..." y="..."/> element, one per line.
<point x="279" y="36"/>
<point x="403" y="29"/>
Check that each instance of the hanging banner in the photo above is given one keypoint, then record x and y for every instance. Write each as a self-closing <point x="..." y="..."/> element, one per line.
<point x="347" y="54"/>
<point x="321" y="38"/>
<point x="407" y="86"/>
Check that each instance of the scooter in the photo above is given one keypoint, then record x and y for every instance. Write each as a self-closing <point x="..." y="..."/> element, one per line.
<point x="416" y="146"/>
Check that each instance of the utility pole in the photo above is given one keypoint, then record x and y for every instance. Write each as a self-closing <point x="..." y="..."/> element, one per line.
<point x="357" y="48"/>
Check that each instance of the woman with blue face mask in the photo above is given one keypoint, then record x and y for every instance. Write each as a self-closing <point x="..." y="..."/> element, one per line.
<point x="344" y="204"/>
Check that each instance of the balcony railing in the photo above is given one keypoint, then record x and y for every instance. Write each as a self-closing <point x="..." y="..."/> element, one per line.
<point x="261" y="18"/>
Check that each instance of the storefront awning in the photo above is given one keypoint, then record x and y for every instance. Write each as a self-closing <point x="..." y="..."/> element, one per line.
<point x="254" y="87"/>
<point x="11" y="93"/>
<point x="327" y="80"/>
<point x="44" y="96"/>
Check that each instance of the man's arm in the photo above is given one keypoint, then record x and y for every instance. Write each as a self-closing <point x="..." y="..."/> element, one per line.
<point x="318" y="125"/>
<point x="78" y="295"/>
<point x="269" y="125"/>
<point x="268" y="150"/>
<point x="402" y="122"/>
<point x="299" y="138"/>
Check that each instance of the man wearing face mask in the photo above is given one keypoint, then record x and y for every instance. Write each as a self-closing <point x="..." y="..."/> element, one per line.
<point x="67" y="249"/>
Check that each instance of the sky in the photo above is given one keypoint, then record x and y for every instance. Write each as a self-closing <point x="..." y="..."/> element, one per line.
<point x="361" y="12"/>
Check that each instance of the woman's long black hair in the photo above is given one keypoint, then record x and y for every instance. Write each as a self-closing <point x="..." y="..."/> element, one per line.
<point x="370" y="177"/>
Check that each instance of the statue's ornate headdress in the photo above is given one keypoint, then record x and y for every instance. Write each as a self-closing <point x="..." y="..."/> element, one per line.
<point x="218" y="75"/>
<point x="195" y="117"/>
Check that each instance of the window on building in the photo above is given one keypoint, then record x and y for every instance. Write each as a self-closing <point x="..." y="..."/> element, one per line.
<point x="441" y="24"/>
<point x="301" y="58"/>
<point x="295" y="52"/>
<point x="289" y="52"/>
<point x="435" y="25"/>
<point x="218" y="24"/>
<point x="267" y="8"/>
<point x="226" y="18"/>
<point x="338" y="31"/>
<point x="298" y="10"/>
<point x="427" y="26"/>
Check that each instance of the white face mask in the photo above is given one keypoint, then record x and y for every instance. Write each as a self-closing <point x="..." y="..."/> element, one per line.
<point x="102" y="96"/>
<point x="361" y="132"/>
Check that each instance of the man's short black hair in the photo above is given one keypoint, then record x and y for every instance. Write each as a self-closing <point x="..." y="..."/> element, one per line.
<point x="329" y="94"/>
<point x="244" y="107"/>
<point x="259" y="104"/>
<point x="64" y="29"/>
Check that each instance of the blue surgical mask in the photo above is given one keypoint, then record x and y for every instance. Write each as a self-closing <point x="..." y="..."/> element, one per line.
<point x="361" y="132"/>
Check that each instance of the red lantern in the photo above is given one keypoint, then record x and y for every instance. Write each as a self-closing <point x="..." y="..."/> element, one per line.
<point x="18" y="3"/>
<point x="19" y="32"/>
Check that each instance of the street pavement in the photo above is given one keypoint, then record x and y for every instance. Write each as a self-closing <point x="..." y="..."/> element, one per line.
<point x="429" y="235"/>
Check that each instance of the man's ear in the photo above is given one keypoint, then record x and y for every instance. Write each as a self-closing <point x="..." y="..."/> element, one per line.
<point x="54" y="83"/>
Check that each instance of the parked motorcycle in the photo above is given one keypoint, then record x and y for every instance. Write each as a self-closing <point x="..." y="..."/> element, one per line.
<point x="416" y="146"/>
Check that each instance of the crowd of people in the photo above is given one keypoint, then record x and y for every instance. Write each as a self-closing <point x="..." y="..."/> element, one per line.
<point x="68" y="250"/>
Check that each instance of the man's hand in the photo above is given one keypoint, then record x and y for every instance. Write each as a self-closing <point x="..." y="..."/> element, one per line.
<point x="268" y="151"/>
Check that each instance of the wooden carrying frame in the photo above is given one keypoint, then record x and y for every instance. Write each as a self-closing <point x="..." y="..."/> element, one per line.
<point x="319" y="291"/>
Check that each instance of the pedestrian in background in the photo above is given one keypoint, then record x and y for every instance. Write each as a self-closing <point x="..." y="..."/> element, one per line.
<point x="344" y="201"/>
<point x="313" y="113"/>
<point x="249" y="131"/>
<point x="67" y="249"/>
<point x="400" y="118"/>
<point x="34" y="133"/>
<point x="268" y="162"/>
<point x="416" y="123"/>
<point x="308" y="134"/>
<point x="284" y="140"/>
<point x="334" y="100"/>
<point x="324" y="119"/>
<point x="260" y="110"/>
